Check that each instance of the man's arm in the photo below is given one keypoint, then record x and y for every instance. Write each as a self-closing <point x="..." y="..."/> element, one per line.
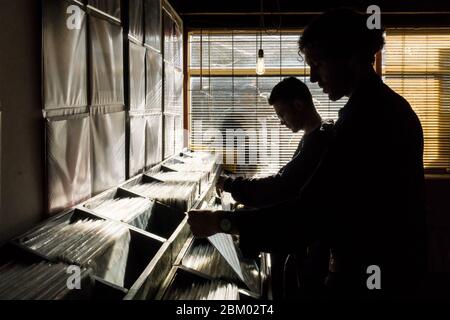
<point x="280" y="228"/>
<point x="260" y="192"/>
<point x="286" y="226"/>
<point x="285" y="185"/>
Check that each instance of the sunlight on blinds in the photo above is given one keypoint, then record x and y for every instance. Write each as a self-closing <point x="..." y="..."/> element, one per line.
<point x="417" y="66"/>
<point x="227" y="97"/>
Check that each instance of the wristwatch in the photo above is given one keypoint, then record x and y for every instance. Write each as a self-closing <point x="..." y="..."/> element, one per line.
<point x="225" y="225"/>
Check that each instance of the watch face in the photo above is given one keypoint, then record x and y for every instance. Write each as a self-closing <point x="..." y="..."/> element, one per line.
<point x="225" y="225"/>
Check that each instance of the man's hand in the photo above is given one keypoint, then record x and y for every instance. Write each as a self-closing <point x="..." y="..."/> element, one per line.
<point x="204" y="223"/>
<point x="220" y="184"/>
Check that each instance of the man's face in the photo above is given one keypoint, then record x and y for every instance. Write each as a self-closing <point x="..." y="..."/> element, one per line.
<point x="332" y="75"/>
<point x="291" y="115"/>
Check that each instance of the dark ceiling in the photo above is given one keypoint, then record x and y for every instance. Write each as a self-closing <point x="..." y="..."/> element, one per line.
<point x="246" y="13"/>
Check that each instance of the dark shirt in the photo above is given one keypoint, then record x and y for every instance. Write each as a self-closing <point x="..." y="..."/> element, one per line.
<point x="286" y="184"/>
<point x="366" y="200"/>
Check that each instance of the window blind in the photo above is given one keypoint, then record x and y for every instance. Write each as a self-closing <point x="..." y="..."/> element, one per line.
<point x="417" y="66"/>
<point x="228" y="108"/>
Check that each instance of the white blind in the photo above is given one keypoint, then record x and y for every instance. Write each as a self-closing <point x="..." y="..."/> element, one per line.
<point x="226" y="94"/>
<point x="417" y="66"/>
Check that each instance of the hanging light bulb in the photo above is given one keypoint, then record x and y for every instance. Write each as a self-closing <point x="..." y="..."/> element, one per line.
<point x="260" y="65"/>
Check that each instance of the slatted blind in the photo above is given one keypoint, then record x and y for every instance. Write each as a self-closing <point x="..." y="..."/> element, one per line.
<point x="417" y="66"/>
<point x="226" y="94"/>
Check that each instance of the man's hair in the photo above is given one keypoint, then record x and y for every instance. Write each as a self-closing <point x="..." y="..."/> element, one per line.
<point x="288" y="90"/>
<point x="341" y="33"/>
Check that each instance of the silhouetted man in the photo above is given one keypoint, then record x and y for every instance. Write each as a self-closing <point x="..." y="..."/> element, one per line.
<point x="293" y="104"/>
<point x="367" y="198"/>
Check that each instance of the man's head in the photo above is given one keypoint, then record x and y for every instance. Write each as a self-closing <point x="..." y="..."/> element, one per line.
<point x="293" y="103"/>
<point x="337" y="46"/>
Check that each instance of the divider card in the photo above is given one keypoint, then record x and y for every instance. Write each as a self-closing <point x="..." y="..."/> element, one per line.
<point x="225" y="245"/>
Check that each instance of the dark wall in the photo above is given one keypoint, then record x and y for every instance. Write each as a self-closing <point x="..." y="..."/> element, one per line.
<point x="296" y="14"/>
<point x="201" y="6"/>
<point x="300" y="21"/>
<point x="438" y="221"/>
<point x="22" y="138"/>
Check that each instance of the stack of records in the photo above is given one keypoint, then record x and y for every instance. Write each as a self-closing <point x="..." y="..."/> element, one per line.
<point x="176" y="195"/>
<point x="208" y="161"/>
<point x="134" y="211"/>
<point x="247" y="273"/>
<point x="41" y="281"/>
<point x="204" y="258"/>
<point x="191" y="166"/>
<point x="102" y="245"/>
<point x="200" y="178"/>
<point x="205" y="157"/>
<point x="205" y="290"/>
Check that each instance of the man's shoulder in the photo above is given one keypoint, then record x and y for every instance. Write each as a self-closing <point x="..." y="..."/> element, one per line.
<point x="393" y="98"/>
<point x="399" y="109"/>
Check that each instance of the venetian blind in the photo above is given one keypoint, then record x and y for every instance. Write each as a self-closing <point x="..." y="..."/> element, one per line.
<point x="228" y="106"/>
<point x="417" y="66"/>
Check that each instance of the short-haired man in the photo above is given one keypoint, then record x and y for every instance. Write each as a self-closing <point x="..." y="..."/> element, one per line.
<point x="294" y="107"/>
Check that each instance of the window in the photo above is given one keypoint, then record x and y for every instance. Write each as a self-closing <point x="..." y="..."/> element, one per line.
<point x="417" y="66"/>
<point x="228" y="101"/>
<point x="226" y="96"/>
